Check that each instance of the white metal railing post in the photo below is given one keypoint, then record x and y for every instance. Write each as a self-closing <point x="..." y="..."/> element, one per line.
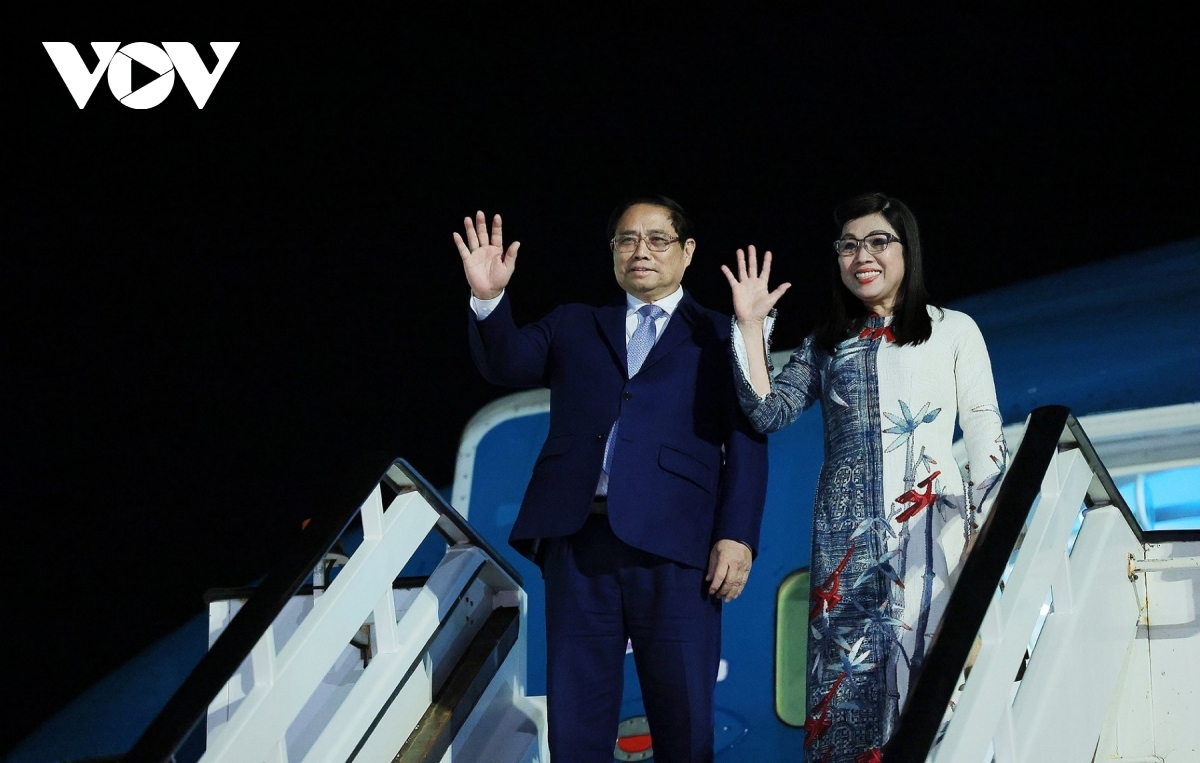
<point x="1074" y="670"/>
<point x="387" y="635"/>
<point x="1010" y="620"/>
<point x="372" y="515"/>
<point x="1004" y="743"/>
<point x="1069" y="596"/>
<point x="262" y="660"/>
<point x="313" y="697"/>
<point x="263" y="718"/>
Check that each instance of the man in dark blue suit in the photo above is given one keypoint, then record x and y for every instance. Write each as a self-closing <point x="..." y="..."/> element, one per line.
<point x="644" y="506"/>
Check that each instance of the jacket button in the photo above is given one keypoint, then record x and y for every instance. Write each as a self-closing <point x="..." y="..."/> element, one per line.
<point x="599" y="438"/>
<point x="628" y="395"/>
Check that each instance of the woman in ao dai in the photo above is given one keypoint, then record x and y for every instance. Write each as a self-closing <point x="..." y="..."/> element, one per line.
<point x="893" y="512"/>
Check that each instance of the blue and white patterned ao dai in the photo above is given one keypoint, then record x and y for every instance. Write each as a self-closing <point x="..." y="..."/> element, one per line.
<point x="893" y="512"/>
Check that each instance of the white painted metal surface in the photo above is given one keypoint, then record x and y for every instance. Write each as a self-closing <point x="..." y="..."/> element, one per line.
<point x="278" y="695"/>
<point x="1114" y="668"/>
<point x="1162" y="565"/>
<point x="1076" y="666"/>
<point x="1156" y="711"/>
<point x="305" y="693"/>
<point x="376" y="708"/>
<point x="505" y="724"/>
<point x="985" y="713"/>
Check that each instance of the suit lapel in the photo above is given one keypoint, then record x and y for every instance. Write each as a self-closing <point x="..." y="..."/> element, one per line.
<point x="679" y="328"/>
<point x="611" y="321"/>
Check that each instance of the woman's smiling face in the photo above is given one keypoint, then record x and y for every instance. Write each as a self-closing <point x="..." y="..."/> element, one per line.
<point x="874" y="278"/>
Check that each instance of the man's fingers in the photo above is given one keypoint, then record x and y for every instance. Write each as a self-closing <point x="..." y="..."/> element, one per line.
<point x="731" y="590"/>
<point x="511" y="255"/>
<point x="729" y="565"/>
<point x="497" y="236"/>
<point x="718" y="579"/>
<point x="718" y="576"/>
<point x="463" y="251"/>
<point x="736" y="584"/>
<point x="729" y="276"/>
<point x="472" y="239"/>
<point x="765" y="272"/>
<point x="481" y="228"/>
<point x="753" y="261"/>
<point x="726" y="581"/>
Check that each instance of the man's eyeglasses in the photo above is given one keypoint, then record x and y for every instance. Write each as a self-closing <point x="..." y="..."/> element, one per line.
<point x="847" y="246"/>
<point x="655" y="242"/>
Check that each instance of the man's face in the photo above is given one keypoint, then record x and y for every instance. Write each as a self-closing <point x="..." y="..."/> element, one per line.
<point x="644" y="274"/>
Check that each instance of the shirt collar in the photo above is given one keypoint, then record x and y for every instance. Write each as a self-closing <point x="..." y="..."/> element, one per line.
<point x="667" y="303"/>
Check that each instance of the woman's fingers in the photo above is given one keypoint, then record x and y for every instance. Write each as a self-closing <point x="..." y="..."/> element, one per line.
<point x="747" y="267"/>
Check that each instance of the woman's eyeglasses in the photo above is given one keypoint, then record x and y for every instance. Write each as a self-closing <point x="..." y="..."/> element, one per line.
<point x="847" y="246"/>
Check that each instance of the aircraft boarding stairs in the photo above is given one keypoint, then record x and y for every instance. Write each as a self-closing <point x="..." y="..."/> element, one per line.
<point x="1097" y="618"/>
<point x="1087" y="627"/>
<point x="371" y="666"/>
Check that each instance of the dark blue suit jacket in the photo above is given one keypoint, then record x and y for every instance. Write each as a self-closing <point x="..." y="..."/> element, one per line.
<point x="688" y="469"/>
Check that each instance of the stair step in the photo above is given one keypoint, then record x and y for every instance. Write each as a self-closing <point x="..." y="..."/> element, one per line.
<point x="466" y="683"/>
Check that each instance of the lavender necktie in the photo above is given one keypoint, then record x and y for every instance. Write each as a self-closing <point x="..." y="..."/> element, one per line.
<point x="639" y="347"/>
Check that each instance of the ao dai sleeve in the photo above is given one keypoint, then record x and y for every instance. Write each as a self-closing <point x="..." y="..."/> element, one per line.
<point x="793" y="391"/>
<point x="980" y="420"/>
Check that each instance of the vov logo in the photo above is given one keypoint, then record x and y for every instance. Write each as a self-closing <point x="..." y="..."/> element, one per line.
<point x="119" y="61"/>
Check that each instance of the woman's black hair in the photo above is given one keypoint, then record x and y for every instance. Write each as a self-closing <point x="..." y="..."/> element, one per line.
<point x="911" y="322"/>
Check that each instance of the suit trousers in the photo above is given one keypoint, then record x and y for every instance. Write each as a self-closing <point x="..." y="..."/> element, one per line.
<point x="601" y="593"/>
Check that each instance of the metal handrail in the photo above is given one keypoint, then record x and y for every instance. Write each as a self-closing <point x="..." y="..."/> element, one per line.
<point x="1103" y="490"/>
<point x="1108" y="493"/>
<point x="189" y="705"/>
<point x="934" y="684"/>
<point x="450" y="524"/>
<point x="1050" y="429"/>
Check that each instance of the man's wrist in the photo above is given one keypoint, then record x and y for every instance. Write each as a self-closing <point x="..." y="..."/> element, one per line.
<point x="735" y="540"/>
<point x="484" y="307"/>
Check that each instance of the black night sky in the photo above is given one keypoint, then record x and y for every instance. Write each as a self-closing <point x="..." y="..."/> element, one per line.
<point x="220" y="322"/>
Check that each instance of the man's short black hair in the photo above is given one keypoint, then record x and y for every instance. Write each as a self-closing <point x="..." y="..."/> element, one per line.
<point x="679" y="218"/>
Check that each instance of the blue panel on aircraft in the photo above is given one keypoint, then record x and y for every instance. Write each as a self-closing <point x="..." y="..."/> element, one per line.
<point x="504" y="459"/>
<point x="1169" y="500"/>
<point x="1115" y="335"/>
